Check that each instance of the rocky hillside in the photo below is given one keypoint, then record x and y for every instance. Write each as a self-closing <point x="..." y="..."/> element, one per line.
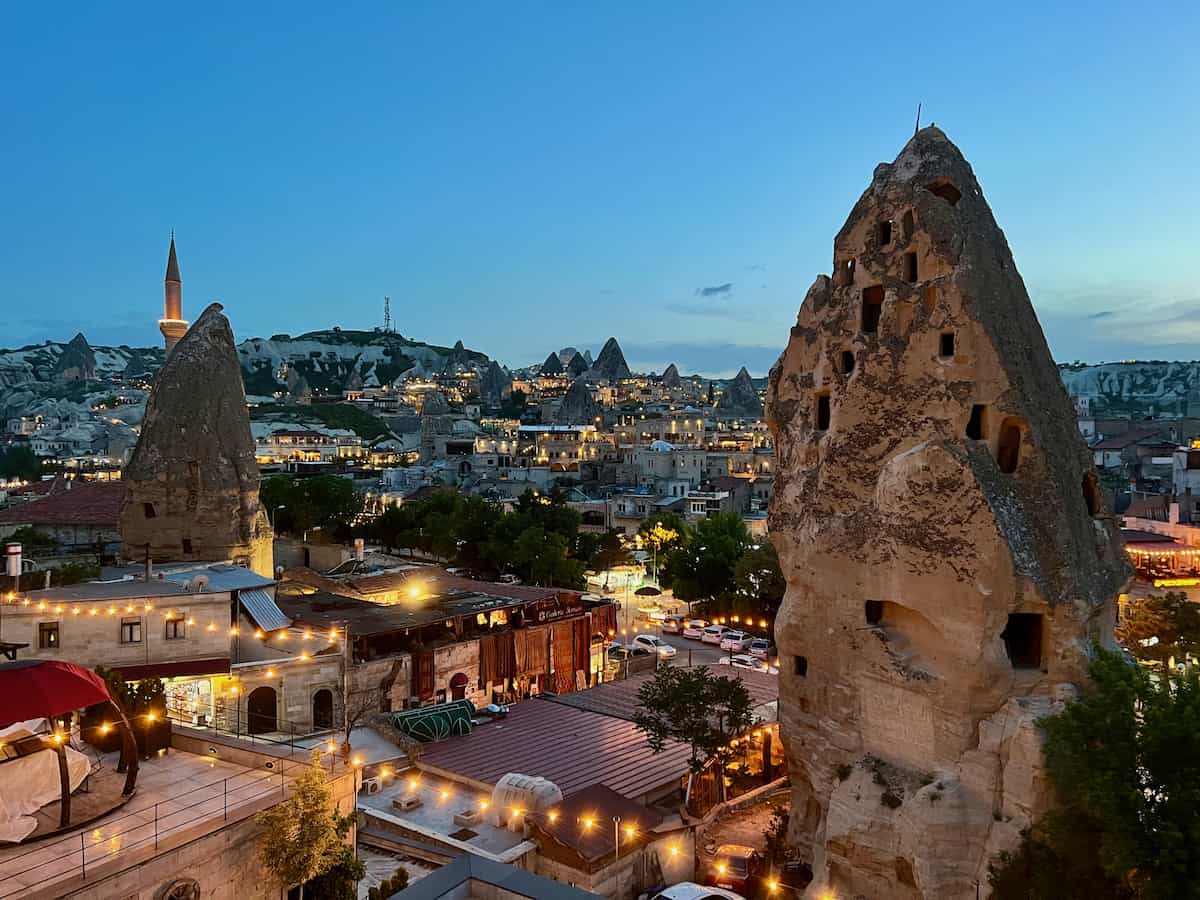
<point x="1136" y="388"/>
<point x="335" y="359"/>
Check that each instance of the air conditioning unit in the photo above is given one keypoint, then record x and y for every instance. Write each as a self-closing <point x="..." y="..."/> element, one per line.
<point x="404" y="804"/>
<point x="467" y="817"/>
<point x="373" y="785"/>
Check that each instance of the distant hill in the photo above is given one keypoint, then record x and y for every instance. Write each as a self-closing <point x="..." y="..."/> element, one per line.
<point x="1136" y="388"/>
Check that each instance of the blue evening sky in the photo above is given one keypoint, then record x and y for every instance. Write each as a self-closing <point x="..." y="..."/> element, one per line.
<point x="525" y="176"/>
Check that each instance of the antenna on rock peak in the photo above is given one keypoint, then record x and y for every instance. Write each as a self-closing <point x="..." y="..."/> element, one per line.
<point x="918" y="128"/>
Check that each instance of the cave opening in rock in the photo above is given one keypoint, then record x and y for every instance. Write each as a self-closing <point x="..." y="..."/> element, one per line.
<point x="977" y="424"/>
<point x="885" y="232"/>
<point x="823" y="413"/>
<point x="908" y="226"/>
<point x="872" y="308"/>
<point x="945" y="189"/>
<point x="1091" y="492"/>
<point x="800" y="664"/>
<point x="1022" y="638"/>
<point x="1008" y="451"/>
<point x="873" y="609"/>
<point x="946" y="344"/>
<point x="910" y="267"/>
<point x="847" y="362"/>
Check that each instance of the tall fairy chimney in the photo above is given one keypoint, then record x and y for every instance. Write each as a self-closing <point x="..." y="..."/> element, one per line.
<point x="172" y="324"/>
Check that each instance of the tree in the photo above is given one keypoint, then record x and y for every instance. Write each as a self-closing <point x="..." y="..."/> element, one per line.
<point x="1123" y="759"/>
<point x="610" y="551"/>
<point x="328" y="502"/>
<point x="303" y="836"/>
<point x="389" y="886"/>
<point x="704" y="567"/>
<point x="758" y="582"/>
<point x="359" y="705"/>
<point x="1160" y="627"/>
<point x="695" y="707"/>
<point x="21" y="463"/>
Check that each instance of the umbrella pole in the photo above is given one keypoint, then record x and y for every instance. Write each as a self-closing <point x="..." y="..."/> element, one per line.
<point x="64" y="780"/>
<point x="129" y="751"/>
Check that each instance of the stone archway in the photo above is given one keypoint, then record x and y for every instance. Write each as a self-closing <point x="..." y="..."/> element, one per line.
<point x="458" y="686"/>
<point x="261" y="705"/>
<point x="322" y="709"/>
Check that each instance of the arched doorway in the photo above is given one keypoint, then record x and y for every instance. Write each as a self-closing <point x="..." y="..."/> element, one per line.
<point x="458" y="687"/>
<point x="322" y="709"/>
<point x="260" y="711"/>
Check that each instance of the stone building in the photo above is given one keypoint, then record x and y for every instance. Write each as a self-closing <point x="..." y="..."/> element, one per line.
<point x="192" y="482"/>
<point x="948" y="557"/>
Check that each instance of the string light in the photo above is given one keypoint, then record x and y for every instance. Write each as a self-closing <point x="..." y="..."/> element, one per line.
<point x="553" y="816"/>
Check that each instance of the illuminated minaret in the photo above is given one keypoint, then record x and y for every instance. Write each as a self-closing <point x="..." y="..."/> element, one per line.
<point x="172" y="324"/>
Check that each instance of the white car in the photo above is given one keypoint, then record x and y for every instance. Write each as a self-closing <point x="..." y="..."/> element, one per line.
<point x="736" y="640"/>
<point x="713" y="634"/>
<point x="744" y="661"/>
<point x="689" y="890"/>
<point x="672" y="624"/>
<point x="694" y="628"/>
<point x="761" y="647"/>
<point x="655" y="645"/>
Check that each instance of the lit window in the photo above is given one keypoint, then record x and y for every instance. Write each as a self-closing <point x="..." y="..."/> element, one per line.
<point x="48" y="636"/>
<point x="131" y="631"/>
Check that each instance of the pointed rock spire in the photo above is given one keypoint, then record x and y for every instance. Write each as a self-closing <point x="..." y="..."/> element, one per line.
<point x="670" y="377"/>
<point x="552" y="366"/>
<point x="933" y="492"/>
<point x="578" y="406"/>
<point x="740" y="398"/>
<point x="610" y="365"/>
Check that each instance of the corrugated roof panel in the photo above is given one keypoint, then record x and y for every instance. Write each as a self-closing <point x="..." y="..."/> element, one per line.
<point x="261" y="607"/>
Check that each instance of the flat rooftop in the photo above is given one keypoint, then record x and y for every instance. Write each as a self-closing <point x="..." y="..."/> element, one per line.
<point x="111" y="590"/>
<point x="441" y="799"/>
<point x="180" y="796"/>
<point x="575" y="748"/>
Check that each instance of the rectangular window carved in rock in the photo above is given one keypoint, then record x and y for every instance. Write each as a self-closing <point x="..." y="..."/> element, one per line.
<point x="148" y="510"/>
<point x="885" y="233"/>
<point x="946" y="344"/>
<point x="910" y="267"/>
<point x="872" y="308"/>
<point x="800" y="664"/>
<point x="873" y="610"/>
<point x="908" y="226"/>
<point x="823" y="414"/>
<point x="1022" y="638"/>
<point x="847" y="362"/>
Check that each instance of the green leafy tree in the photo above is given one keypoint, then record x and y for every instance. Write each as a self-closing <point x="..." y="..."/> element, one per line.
<point x="389" y="886"/>
<point x="20" y="462"/>
<point x="1124" y="762"/>
<point x="697" y="708"/>
<point x="296" y="505"/>
<point x="758" y="582"/>
<point x="704" y="568"/>
<point x="610" y="551"/>
<point x="1160" y="627"/>
<point x="303" y="837"/>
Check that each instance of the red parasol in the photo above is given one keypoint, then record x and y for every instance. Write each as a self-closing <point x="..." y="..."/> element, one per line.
<point x="41" y="688"/>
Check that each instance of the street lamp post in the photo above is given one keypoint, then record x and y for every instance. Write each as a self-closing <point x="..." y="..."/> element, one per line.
<point x="616" y="837"/>
<point x="274" y="513"/>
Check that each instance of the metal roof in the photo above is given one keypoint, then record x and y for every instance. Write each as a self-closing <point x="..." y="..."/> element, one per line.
<point x="454" y="880"/>
<point x="574" y="748"/>
<point x="619" y="698"/>
<point x="263" y="610"/>
<point x="221" y="577"/>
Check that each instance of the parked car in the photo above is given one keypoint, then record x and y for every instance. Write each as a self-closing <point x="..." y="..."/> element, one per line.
<point x="736" y="867"/>
<point x="654" y="645"/>
<point x="736" y="640"/>
<point x="689" y="890"/>
<point x="672" y="624"/>
<point x="694" y="628"/>
<point x="619" y="653"/>
<point x="762" y="648"/>
<point x="713" y="634"/>
<point x="745" y="661"/>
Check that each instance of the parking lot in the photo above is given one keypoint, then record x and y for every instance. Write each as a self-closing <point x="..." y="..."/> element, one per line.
<point x="688" y="651"/>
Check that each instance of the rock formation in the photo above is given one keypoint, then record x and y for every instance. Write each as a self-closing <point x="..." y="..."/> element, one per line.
<point x="578" y="406"/>
<point x="610" y="365"/>
<point x="77" y="362"/>
<point x="740" y="398"/>
<point x="948" y="558"/>
<point x="191" y="486"/>
<point x="577" y="366"/>
<point x="552" y="366"/>
<point x="494" y="384"/>
<point x="670" y="377"/>
<point x="435" y="404"/>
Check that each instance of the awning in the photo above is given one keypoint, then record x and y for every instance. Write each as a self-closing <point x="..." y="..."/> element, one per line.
<point x="262" y="609"/>
<point x="41" y="688"/>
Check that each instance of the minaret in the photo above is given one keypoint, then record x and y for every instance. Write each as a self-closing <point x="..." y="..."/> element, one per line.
<point x="172" y="324"/>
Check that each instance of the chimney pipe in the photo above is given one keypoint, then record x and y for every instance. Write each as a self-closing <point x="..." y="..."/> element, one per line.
<point x="149" y="564"/>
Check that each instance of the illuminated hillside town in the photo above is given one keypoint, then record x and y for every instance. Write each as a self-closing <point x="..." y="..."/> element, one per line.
<point x="582" y="467"/>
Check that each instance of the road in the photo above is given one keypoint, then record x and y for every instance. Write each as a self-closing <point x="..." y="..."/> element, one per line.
<point x="701" y="654"/>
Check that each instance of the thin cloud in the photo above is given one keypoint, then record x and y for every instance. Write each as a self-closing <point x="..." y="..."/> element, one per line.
<point x="716" y="290"/>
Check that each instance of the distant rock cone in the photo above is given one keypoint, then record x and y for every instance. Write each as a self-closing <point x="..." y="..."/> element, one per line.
<point x="610" y="364"/>
<point x="740" y="399"/>
<point x="670" y="377"/>
<point x="435" y="404"/>
<point x="77" y="362"/>
<point x="552" y="366"/>
<point x="948" y="556"/>
<point x="577" y="366"/>
<point x="191" y="485"/>
<point x="578" y="406"/>
<point x="494" y="384"/>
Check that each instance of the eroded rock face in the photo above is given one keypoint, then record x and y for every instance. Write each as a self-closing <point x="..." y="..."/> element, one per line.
<point x="670" y="377"/>
<point x="552" y="366"/>
<point x="191" y="486"/>
<point x="949" y="564"/>
<point x="578" y="406"/>
<point x="494" y="384"/>
<point x="610" y="365"/>
<point x="740" y="399"/>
